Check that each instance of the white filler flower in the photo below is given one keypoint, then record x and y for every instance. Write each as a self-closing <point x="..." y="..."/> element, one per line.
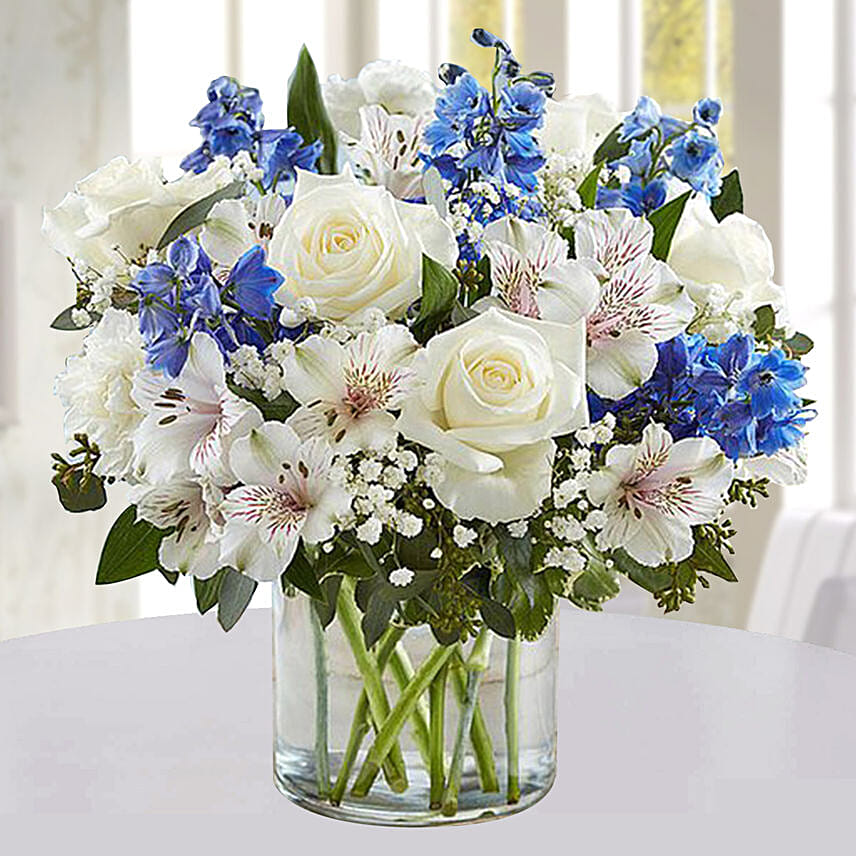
<point x="350" y="247"/>
<point x="192" y="420"/>
<point x="653" y="493"/>
<point x="287" y="493"/>
<point x="96" y="388"/>
<point x="347" y="390"/>
<point x="495" y="390"/>
<point x="641" y="301"/>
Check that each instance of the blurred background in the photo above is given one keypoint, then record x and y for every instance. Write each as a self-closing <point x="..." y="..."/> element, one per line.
<point x="85" y="80"/>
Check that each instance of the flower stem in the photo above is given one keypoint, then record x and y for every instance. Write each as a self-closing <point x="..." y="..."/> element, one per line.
<point x="386" y="737"/>
<point x="394" y="769"/>
<point x="475" y="666"/>
<point x="402" y="671"/>
<point x="322" y="756"/>
<point x="479" y="735"/>
<point x="437" y="761"/>
<point x="512" y="723"/>
<point x="361" y="723"/>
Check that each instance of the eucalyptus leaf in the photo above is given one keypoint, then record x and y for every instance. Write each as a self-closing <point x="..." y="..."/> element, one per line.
<point x="170" y="576"/>
<point x="326" y="610"/>
<point x="307" y="113"/>
<point x="194" y="215"/>
<point x="799" y="344"/>
<point x="75" y="498"/>
<point x="439" y="290"/>
<point x="650" y="579"/>
<point x="498" y="618"/>
<point x="376" y="619"/>
<point x="302" y="575"/>
<point x="765" y="321"/>
<point x="131" y="549"/>
<point x="236" y="592"/>
<point x="611" y="149"/>
<point x="665" y="220"/>
<point x="208" y="591"/>
<point x="588" y="188"/>
<point x="63" y="321"/>
<point x="275" y="410"/>
<point x="730" y="197"/>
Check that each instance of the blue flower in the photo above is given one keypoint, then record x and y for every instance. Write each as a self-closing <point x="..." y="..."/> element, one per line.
<point x="522" y="106"/>
<point x="282" y="152"/>
<point x="645" y="116"/>
<point x="252" y="283"/>
<point x="638" y="157"/>
<point x="672" y="127"/>
<point x="692" y="156"/>
<point x="640" y="198"/>
<point x="707" y="112"/>
<point x="769" y="382"/>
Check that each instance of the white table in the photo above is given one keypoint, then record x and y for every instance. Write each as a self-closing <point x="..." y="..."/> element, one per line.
<point x="674" y="737"/>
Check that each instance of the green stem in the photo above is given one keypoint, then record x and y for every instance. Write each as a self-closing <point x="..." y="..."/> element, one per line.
<point x="479" y="735"/>
<point x="404" y="707"/>
<point x="512" y="723"/>
<point x="322" y="756"/>
<point x="361" y="723"/>
<point x="437" y="762"/>
<point x="475" y="666"/>
<point x="402" y="671"/>
<point x="349" y="619"/>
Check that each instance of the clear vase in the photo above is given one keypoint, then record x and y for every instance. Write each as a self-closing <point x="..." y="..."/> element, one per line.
<point x="409" y="732"/>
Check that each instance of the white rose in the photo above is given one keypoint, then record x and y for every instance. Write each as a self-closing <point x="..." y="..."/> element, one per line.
<point x="495" y="391"/>
<point x="125" y="205"/>
<point x="349" y="247"/>
<point x="577" y="126"/>
<point x="726" y="266"/>
<point x="395" y="86"/>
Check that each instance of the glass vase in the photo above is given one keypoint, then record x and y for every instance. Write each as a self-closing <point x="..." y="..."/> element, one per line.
<point x="409" y="732"/>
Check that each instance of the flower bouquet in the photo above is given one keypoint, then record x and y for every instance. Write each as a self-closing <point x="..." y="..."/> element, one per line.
<point x="429" y="359"/>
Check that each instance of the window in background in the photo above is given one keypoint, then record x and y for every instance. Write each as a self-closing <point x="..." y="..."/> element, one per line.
<point x="594" y="47"/>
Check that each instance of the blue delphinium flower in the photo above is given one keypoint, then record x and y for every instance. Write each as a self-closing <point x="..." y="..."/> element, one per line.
<point x="696" y="159"/>
<point x="232" y="122"/>
<point x="480" y="137"/>
<point x="181" y="296"/>
<point x="707" y="112"/>
<point x="770" y="381"/>
<point x="644" y="117"/>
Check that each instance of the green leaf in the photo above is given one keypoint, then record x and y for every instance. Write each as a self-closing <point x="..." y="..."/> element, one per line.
<point x="596" y="584"/>
<point x="730" y="198"/>
<point x="499" y="618"/>
<point x="276" y="410"/>
<point x="302" y="575"/>
<point x="588" y="189"/>
<point x="650" y="579"/>
<point x="765" y="321"/>
<point x="170" y="576"/>
<point x="307" y="113"/>
<point x="236" y="592"/>
<point x="610" y="149"/>
<point x="76" y="499"/>
<point x="799" y="344"/>
<point x="415" y="553"/>
<point x="131" y="549"/>
<point x="665" y="220"/>
<point x="516" y="556"/>
<point x="376" y="618"/>
<point x="707" y="557"/>
<point x="194" y="215"/>
<point x="208" y="591"/>
<point x="439" y="290"/>
<point x="63" y="320"/>
<point x="326" y="610"/>
<point x="530" y="616"/>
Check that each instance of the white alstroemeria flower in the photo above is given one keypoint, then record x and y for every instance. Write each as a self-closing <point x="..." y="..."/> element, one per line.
<point x="641" y="301"/>
<point x="192" y="548"/>
<point x="387" y="150"/>
<point x="232" y="227"/>
<point x="96" y="388"/>
<point x="495" y="391"/>
<point x="396" y="87"/>
<point x="532" y="275"/>
<point x="786" y="467"/>
<point x="653" y="493"/>
<point x="727" y="268"/>
<point x="122" y="209"/>
<point x="348" y="247"/>
<point x="192" y="420"/>
<point x="286" y="493"/>
<point x="347" y="390"/>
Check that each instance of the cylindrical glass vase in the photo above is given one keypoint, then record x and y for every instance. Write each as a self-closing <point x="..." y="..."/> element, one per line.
<point x="409" y="732"/>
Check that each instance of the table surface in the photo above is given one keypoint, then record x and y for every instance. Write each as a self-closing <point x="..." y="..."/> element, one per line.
<point x="667" y="730"/>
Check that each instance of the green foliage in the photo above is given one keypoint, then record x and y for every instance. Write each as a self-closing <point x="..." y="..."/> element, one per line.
<point x="611" y="149"/>
<point x="665" y="220"/>
<point x="494" y="614"/>
<point x="588" y="188"/>
<point x="236" y="592"/>
<point x="531" y="614"/>
<point x="131" y="549"/>
<point x="208" y="591"/>
<point x="194" y="215"/>
<point x="730" y="198"/>
<point x="765" y="322"/>
<point x="77" y="485"/>
<point x="276" y="410"/>
<point x="63" y="320"/>
<point x="747" y="491"/>
<point x="326" y="609"/>
<point x="307" y="113"/>
<point x="170" y="576"/>
<point x="301" y="573"/>
<point x="439" y="291"/>
<point x="798" y="345"/>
